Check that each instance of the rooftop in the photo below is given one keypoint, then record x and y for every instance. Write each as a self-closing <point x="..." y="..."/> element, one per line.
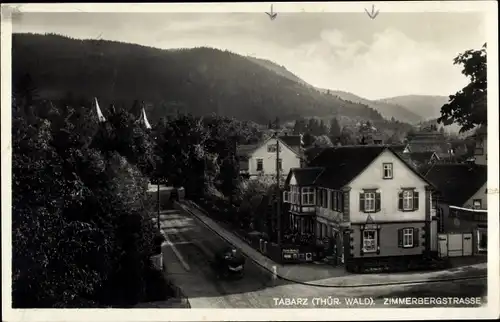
<point x="457" y="182"/>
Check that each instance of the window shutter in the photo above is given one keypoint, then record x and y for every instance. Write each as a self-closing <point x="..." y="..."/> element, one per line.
<point x="377" y="201"/>
<point x="362" y="202"/>
<point x="378" y="240"/>
<point x="400" y="203"/>
<point x="416" y="237"/>
<point x="361" y="242"/>
<point x="400" y="238"/>
<point x="415" y="200"/>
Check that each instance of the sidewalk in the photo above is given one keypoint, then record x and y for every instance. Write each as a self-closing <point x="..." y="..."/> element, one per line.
<point x="328" y="276"/>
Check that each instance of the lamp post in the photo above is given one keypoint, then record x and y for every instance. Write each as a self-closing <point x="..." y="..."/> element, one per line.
<point x="278" y="190"/>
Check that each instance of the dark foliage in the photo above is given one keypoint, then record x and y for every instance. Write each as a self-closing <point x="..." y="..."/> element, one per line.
<point x="223" y="82"/>
<point x="468" y="106"/>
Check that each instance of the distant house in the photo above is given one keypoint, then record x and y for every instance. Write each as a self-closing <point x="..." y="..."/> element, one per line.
<point x="260" y="159"/>
<point x="365" y="200"/>
<point x="428" y="142"/>
<point x="461" y="204"/>
<point x="421" y="159"/>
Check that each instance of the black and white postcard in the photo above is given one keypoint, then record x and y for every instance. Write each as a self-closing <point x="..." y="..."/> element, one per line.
<point x="305" y="161"/>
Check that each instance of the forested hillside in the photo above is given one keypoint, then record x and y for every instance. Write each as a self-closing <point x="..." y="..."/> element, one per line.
<point x="200" y="81"/>
<point x="426" y="106"/>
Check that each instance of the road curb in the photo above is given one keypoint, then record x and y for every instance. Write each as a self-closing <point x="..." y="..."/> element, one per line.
<point x="483" y="276"/>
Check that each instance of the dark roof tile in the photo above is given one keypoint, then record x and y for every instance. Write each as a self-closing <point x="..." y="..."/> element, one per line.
<point x="342" y="164"/>
<point x="291" y="140"/>
<point x="304" y="176"/>
<point x="457" y="182"/>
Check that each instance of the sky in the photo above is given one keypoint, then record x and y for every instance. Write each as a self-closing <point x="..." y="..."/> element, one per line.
<point x="394" y="54"/>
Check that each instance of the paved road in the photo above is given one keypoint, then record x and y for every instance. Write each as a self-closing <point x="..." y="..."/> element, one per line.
<point x="187" y="260"/>
<point x="194" y="245"/>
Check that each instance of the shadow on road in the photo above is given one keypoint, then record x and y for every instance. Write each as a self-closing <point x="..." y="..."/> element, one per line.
<point x="187" y="256"/>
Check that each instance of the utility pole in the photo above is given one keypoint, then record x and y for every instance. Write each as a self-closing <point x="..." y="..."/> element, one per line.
<point x="158" y="195"/>
<point x="278" y="190"/>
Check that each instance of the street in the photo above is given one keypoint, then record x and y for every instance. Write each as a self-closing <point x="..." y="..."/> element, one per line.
<point x="187" y="260"/>
<point x="191" y="246"/>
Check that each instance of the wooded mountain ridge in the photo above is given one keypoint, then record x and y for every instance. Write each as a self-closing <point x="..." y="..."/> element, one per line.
<point x="409" y="108"/>
<point x="200" y="81"/>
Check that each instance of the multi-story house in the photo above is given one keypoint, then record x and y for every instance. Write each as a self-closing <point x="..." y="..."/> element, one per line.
<point x="461" y="204"/>
<point x="366" y="200"/>
<point x="260" y="159"/>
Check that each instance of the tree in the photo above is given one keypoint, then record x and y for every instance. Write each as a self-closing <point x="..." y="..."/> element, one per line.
<point x="334" y="128"/>
<point x="81" y="236"/>
<point x="308" y="139"/>
<point x="468" y="106"/>
<point x="323" y="141"/>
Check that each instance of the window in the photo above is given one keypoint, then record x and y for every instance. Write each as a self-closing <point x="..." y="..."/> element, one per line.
<point x="408" y="199"/>
<point x="340" y="204"/>
<point x="296" y="195"/>
<point x="320" y="197"/>
<point x="333" y="200"/>
<point x="482" y="240"/>
<point x="369" y="241"/>
<point x="477" y="204"/>
<point x="308" y="196"/>
<point x="387" y="170"/>
<point x="408" y="237"/>
<point x="324" y="198"/>
<point x="260" y="165"/>
<point x="369" y="201"/>
<point x="286" y="196"/>
<point x="271" y="148"/>
<point x="280" y="164"/>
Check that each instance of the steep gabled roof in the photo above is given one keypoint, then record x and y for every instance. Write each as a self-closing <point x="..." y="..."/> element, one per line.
<point x="457" y="182"/>
<point x="304" y="176"/>
<point x="291" y="140"/>
<point x="245" y="150"/>
<point x="426" y="146"/>
<point x="421" y="157"/>
<point x="398" y="148"/>
<point x="343" y="164"/>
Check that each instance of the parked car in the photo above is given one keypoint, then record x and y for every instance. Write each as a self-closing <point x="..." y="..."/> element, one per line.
<point x="229" y="263"/>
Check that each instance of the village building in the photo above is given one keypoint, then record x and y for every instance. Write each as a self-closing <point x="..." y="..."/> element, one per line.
<point x="366" y="201"/>
<point x="260" y="159"/>
<point x="461" y="205"/>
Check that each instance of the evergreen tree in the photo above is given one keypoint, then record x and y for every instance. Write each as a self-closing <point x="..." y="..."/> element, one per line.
<point x="334" y="128"/>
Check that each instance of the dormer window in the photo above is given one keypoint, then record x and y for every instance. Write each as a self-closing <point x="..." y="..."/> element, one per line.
<point x="387" y="174"/>
<point x="271" y="148"/>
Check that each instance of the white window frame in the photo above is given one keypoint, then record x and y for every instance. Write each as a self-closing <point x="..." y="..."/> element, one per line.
<point x="308" y="196"/>
<point x="408" y="197"/>
<point x="479" y="233"/>
<point x="372" y="241"/>
<point x="408" y="233"/>
<point x="296" y="195"/>
<point x="474" y="204"/>
<point x="261" y="161"/>
<point x="389" y="168"/>
<point x="271" y="148"/>
<point x="286" y="196"/>
<point x="369" y="196"/>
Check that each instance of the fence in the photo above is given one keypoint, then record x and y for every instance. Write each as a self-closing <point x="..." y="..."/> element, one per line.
<point x="455" y="244"/>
